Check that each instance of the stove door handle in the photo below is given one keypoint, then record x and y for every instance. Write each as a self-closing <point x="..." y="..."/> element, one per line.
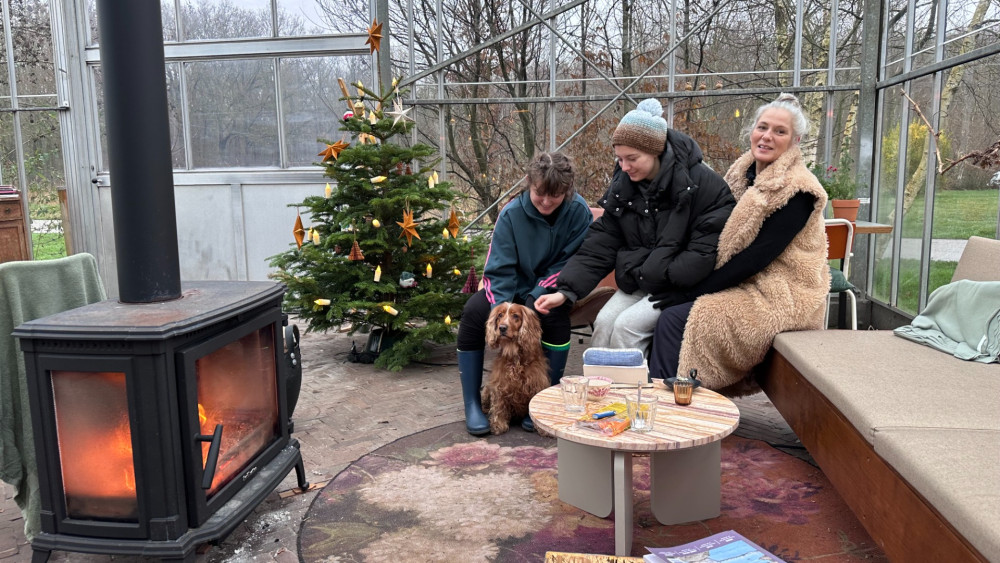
<point x="213" y="455"/>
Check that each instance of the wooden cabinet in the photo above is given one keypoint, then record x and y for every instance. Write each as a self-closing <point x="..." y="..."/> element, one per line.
<point x="14" y="241"/>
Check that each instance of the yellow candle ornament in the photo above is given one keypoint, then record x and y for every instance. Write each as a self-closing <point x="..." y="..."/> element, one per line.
<point x="390" y="310"/>
<point x="430" y="271"/>
<point x="376" y="223"/>
<point x="378" y="179"/>
<point x="322" y="302"/>
<point x="447" y="319"/>
<point x="315" y="236"/>
<point x="457" y="272"/>
<point x="378" y="273"/>
<point x="444" y="233"/>
<point x="328" y="191"/>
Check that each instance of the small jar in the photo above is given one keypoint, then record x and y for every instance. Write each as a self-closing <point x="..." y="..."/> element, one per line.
<point x="684" y="388"/>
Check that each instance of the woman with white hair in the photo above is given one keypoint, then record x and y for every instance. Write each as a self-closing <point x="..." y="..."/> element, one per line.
<point x="771" y="273"/>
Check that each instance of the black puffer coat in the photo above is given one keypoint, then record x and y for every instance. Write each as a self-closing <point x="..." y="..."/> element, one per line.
<point x="665" y="244"/>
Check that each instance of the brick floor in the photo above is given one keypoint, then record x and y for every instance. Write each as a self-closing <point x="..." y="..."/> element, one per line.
<point x="346" y="410"/>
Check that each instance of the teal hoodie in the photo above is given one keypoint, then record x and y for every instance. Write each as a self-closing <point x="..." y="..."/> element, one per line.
<point x="526" y="253"/>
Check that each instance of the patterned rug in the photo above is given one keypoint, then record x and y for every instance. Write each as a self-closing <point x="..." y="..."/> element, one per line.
<point x="443" y="495"/>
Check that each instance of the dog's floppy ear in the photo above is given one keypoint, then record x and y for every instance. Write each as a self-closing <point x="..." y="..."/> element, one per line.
<point x="492" y="334"/>
<point x="531" y="330"/>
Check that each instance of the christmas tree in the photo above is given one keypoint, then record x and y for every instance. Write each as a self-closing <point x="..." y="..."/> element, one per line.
<point x="384" y="248"/>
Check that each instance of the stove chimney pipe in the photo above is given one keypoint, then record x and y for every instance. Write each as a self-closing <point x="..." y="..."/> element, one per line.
<point x="142" y="186"/>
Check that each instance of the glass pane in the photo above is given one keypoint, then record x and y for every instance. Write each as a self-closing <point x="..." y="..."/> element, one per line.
<point x="889" y="139"/>
<point x="237" y="388"/>
<point x="226" y="19"/>
<point x="169" y="19"/>
<point x="318" y="17"/>
<point x="849" y="28"/>
<point x="971" y="24"/>
<point x="311" y="104"/>
<point x="924" y="33"/>
<point x="175" y="113"/>
<point x="965" y="203"/>
<point x="895" y="48"/>
<point x="95" y="445"/>
<point x="43" y="166"/>
<point x="233" y="114"/>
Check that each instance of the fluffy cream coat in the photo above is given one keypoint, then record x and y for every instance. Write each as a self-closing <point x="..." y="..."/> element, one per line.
<point x="729" y="332"/>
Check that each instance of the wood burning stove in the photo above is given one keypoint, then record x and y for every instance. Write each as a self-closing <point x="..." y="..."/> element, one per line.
<point x="158" y="426"/>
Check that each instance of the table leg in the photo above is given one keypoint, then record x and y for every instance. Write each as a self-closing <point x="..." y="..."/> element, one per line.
<point x="585" y="479"/>
<point x="623" y="504"/>
<point x="685" y="485"/>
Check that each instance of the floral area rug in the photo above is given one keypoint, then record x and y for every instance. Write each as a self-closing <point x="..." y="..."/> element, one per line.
<point x="443" y="495"/>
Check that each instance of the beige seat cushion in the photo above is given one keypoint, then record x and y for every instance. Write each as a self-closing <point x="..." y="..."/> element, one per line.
<point x="957" y="471"/>
<point x="879" y="380"/>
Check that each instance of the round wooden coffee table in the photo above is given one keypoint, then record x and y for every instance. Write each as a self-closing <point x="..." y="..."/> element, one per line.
<point x="595" y="471"/>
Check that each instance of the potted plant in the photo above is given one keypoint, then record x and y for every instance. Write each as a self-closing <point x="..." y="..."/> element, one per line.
<point x="840" y="189"/>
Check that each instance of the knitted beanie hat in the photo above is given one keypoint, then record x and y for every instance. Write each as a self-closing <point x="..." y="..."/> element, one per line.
<point x="643" y="128"/>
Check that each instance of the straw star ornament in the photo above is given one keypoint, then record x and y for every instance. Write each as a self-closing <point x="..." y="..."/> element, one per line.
<point x="374" y="36"/>
<point x="333" y="151"/>
<point x="399" y="113"/>
<point x="453" y="224"/>
<point x="409" y="227"/>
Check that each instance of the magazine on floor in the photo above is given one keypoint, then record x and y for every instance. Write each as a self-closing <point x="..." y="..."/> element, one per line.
<point x="728" y="546"/>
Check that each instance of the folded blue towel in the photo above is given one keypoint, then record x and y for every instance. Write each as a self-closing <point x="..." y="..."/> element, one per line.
<point x="613" y="357"/>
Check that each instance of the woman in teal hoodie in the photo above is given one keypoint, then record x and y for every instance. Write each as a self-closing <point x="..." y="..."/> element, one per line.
<point x="534" y="236"/>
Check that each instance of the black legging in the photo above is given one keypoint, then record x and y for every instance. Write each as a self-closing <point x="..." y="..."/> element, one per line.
<point x="472" y="329"/>
<point x="667" y="340"/>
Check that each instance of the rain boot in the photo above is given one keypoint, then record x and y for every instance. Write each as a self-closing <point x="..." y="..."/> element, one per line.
<point x="470" y="369"/>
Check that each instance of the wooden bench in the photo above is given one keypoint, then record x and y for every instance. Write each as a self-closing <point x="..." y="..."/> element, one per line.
<point x="908" y="435"/>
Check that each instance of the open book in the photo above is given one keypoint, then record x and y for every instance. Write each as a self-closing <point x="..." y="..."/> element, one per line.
<point x="728" y="546"/>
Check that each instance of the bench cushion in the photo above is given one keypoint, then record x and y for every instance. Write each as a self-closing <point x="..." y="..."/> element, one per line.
<point x="957" y="471"/>
<point x="879" y="380"/>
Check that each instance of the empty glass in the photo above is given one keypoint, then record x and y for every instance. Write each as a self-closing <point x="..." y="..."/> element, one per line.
<point x="574" y="392"/>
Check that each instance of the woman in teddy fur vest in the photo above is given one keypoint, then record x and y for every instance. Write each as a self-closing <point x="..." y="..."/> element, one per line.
<point x="771" y="273"/>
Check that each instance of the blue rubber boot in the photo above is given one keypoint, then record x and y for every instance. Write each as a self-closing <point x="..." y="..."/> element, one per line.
<point x="470" y="369"/>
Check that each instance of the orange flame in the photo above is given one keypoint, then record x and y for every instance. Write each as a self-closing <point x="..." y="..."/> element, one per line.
<point x="201" y="414"/>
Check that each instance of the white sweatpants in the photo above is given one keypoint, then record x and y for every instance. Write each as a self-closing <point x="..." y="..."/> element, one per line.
<point x="627" y="320"/>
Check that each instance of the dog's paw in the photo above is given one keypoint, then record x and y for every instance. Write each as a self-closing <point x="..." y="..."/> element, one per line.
<point x="498" y="428"/>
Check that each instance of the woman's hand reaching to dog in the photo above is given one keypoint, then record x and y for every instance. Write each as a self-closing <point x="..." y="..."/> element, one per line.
<point x="549" y="301"/>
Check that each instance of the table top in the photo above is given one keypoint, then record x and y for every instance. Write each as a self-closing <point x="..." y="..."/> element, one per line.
<point x="709" y="417"/>
<point x="868" y="228"/>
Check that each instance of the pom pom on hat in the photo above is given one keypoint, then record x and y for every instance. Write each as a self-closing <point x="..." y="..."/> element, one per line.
<point x="643" y="128"/>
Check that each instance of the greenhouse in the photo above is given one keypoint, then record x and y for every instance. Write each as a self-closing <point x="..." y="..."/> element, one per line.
<point x="280" y="114"/>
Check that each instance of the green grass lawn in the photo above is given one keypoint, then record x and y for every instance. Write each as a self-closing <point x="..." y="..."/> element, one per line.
<point x="909" y="281"/>
<point x="46" y="246"/>
<point x="958" y="214"/>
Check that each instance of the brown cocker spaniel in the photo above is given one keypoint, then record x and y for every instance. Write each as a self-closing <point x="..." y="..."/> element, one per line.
<point x="520" y="370"/>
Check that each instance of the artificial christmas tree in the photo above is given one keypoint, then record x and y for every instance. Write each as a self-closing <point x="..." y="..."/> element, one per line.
<point x="386" y="280"/>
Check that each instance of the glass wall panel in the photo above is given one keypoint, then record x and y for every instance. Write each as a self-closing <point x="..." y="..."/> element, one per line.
<point x="849" y="28"/>
<point x="175" y="108"/>
<point x="8" y="158"/>
<point x="924" y="33"/>
<point x="918" y="146"/>
<point x="965" y="202"/>
<point x="319" y="17"/>
<point x="43" y="167"/>
<point x="233" y="113"/>
<point x="168" y="15"/>
<point x="896" y="37"/>
<point x="226" y="19"/>
<point x="887" y="175"/>
<point x="311" y="104"/>
<point x="971" y="24"/>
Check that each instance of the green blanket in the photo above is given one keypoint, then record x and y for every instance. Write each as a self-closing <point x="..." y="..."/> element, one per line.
<point x="961" y="318"/>
<point x="29" y="291"/>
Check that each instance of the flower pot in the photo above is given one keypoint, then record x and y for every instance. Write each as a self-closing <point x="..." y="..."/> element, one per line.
<point x="845" y="209"/>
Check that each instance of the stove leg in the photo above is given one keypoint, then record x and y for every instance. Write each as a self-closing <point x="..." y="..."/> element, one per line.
<point x="40" y="555"/>
<point x="300" y="474"/>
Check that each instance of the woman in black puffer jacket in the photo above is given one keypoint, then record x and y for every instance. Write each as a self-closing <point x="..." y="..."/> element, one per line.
<point x="663" y="213"/>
